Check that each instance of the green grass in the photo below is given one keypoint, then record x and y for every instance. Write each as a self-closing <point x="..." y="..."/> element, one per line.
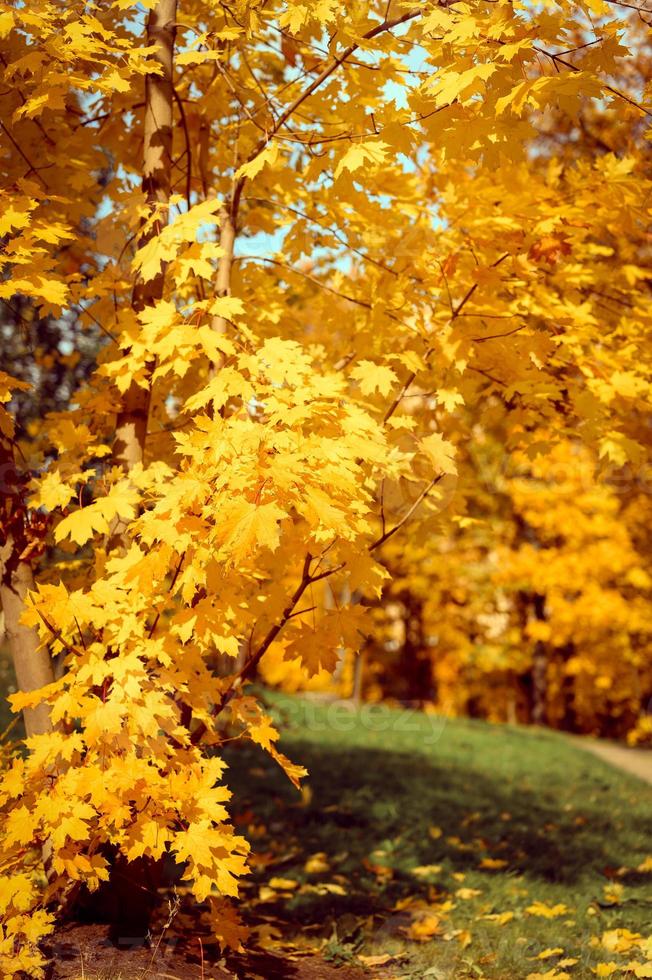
<point x="568" y="827"/>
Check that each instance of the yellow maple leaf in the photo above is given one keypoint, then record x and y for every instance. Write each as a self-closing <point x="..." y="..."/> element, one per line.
<point x="266" y="158"/>
<point x="251" y="526"/>
<point x="440" y="452"/>
<point x="362" y="154"/>
<point x="81" y="525"/>
<point x="20" y="826"/>
<point x="374" y="377"/>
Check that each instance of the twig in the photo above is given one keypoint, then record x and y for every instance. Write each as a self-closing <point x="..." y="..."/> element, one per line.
<point x="309" y="278"/>
<point x="173" y="908"/>
<point x="171" y="586"/>
<point x="186" y="133"/>
<point x="264" y="646"/>
<point x="338" y="60"/>
<point x="408" y="514"/>
<point x="455" y="313"/>
<point x="559" y="60"/>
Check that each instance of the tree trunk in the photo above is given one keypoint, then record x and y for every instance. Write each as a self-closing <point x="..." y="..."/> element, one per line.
<point x="223" y="280"/>
<point x="415" y="666"/>
<point x="358" y="674"/>
<point x="539" y="668"/>
<point x="569" y="719"/>
<point x="131" y="424"/>
<point x="128" y="898"/>
<point x="32" y="663"/>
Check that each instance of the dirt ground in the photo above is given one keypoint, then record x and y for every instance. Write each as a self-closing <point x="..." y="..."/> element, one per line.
<point x="82" y="952"/>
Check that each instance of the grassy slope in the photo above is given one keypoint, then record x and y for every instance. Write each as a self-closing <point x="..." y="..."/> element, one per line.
<point x="380" y="779"/>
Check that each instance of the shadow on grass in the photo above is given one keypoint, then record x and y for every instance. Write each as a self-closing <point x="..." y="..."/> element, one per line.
<point x="378" y="813"/>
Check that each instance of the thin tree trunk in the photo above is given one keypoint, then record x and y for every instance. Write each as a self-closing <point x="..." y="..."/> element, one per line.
<point x="32" y="662"/>
<point x="539" y="668"/>
<point x="358" y="675"/>
<point x="223" y="280"/>
<point x="131" y="424"/>
<point x="128" y="898"/>
<point x="415" y="666"/>
<point x="225" y="666"/>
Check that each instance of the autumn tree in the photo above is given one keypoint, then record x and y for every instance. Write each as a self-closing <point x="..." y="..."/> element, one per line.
<point x="288" y="221"/>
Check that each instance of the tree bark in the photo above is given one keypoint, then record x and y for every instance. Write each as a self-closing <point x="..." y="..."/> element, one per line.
<point x="415" y="665"/>
<point x="539" y="668"/>
<point x="223" y="280"/>
<point x="358" y="674"/>
<point x="131" y="423"/>
<point x="32" y="662"/>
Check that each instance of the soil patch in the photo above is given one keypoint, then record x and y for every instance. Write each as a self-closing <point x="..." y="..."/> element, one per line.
<point x="83" y="952"/>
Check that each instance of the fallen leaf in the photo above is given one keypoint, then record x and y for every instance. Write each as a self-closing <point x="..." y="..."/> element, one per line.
<point x="606" y="969"/>
<point x="283" y="884"/>
<point x="545" y="954"/>
<point x="382" y="960"/>
<point x="546" y="911"/>
<point x="424" y="928"/>
<point x="620" y="940"/>
<point x="424" y="870"/>
<point x="549" y="975"/>
<point x="493" y="864"/>
<point x="468" y="893"/>
<point x="501" y="918"/>
<point x="317" y="864"/>
<point x="640" y="969"/>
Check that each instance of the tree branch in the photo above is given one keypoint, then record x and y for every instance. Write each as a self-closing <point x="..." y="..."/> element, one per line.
<point x="252" y="662"/>
<point x="338" y="60"/>
<point x="408" y="514"/>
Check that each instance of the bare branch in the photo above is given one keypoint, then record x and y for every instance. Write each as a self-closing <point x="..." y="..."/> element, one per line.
<point x="408" y="514"/>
